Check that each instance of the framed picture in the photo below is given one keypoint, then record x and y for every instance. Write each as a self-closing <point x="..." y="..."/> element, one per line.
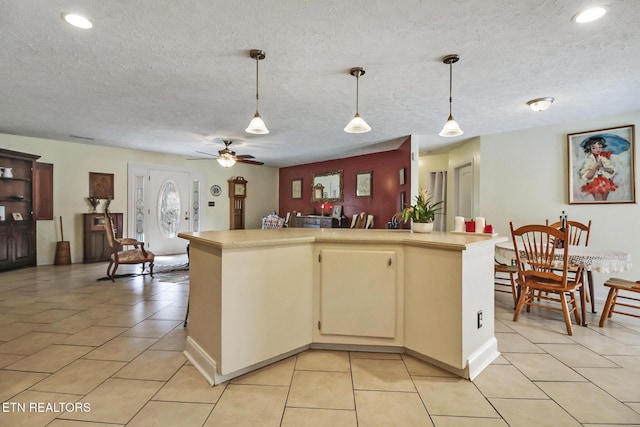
<point x="337" y="211"/>
<point x="296" y="188"/>
<point x="403" y="176"/>
<point x="363" y="184"/>
<point x="17" y="216"/>
<point x="402" y="200"/>
<point x="101" y="185"/>
<point x="2" y="213"/>
<point x="602" y="166"/>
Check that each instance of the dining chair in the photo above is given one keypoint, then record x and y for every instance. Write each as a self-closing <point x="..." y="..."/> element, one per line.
<point x="272" y="221"/>
<point x="137" y="255"/>
<point x="579" y="236"/>
<point x="544" y="268"/>
<point x="615" y="286"/>
<point x="362" y="220"/>
<point x="500" y="270"/>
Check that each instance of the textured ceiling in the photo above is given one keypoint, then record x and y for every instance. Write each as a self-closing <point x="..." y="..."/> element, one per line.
<point x="176" y="76"/>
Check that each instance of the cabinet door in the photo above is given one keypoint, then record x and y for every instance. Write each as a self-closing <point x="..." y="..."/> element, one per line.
<point x="43" y="195"/>
<point x="5" y="241"/>
<point x="23" y="244"/>
<point x="358" y="291"/>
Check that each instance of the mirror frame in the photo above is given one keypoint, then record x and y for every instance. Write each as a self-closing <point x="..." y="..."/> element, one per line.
<point x="340" y="198"/>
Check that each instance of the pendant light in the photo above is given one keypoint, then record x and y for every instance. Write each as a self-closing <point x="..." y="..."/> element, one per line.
<point x="357" y="124"/>
<point x="451" y="128"/>
<point x="257" y="126"/>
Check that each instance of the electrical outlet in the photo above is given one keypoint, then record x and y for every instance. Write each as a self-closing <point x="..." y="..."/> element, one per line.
<point x="479" y="319"/>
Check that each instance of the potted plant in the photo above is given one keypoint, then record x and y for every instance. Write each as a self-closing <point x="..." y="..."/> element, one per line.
<point x="421" y="215"/>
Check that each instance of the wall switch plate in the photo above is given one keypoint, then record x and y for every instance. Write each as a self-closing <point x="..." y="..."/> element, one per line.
<point x="479" y="319"/>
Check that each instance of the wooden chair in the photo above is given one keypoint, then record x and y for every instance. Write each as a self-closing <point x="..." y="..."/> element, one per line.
<point x="499" y="270"/>
<point x="615" y="287"/>
<point x="362" y="220"/>
<point x="579" y="236"/>
<point x="538" y="270"/>
<point x="137" y="255"/>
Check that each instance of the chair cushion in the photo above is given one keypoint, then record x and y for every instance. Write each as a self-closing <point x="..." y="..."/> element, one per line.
<point x="133" y="256"/>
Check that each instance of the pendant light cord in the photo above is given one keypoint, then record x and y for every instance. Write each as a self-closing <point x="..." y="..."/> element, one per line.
<point x="357" y="91"/>
<point x="257" y="74"/>
<point x="450" y="87"/>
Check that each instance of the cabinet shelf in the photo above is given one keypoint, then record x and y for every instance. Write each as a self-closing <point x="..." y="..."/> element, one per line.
<point x="2" y="178"/>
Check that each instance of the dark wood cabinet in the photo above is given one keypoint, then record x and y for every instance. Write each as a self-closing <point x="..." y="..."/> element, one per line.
<point x="314" y="222"/>
<point x="17" y="221"/>
<point x="96" y="247"/>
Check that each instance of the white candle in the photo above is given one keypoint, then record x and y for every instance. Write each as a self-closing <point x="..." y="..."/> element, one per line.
<point x="479" y="224"/>
<point x="458" y="223"/>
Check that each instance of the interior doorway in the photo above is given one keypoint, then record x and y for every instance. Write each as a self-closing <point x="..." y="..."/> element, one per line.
<point x="463" y="190"/>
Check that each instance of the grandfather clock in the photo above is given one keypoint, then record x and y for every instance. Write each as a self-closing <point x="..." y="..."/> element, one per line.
<point x="237" y="194"/>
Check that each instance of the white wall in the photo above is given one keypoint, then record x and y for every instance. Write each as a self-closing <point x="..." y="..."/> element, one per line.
<point x="73" y="162"/>
<point x="524" y="180"/>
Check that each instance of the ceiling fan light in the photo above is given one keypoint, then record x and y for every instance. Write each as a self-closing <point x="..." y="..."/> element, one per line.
<point x="257" y="126"/>
<point x="357" y="125"/>
<point x="226" y="161"/>
<point x="451" y="128"/>
<point x="540" y="104"/>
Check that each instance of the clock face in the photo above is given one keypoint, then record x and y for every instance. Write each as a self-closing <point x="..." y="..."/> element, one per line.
<point x="215" y="190"/>
<point x="238" y="189"/>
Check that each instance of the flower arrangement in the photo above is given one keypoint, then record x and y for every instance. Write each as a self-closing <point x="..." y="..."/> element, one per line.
<point x="423" y="211"/>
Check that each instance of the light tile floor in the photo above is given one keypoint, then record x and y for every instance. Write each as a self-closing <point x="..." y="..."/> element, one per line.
<point x="79" y="352"/>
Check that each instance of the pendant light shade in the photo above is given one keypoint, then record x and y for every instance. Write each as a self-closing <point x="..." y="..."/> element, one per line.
<point x="357" y="124"/>
<point x="257" y="126"/>
<point x="451" y="127"/>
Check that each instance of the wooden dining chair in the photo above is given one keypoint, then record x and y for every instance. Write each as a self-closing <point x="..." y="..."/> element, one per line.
<point x="543" y="272"/>
<point x="630" y="298"/>
<point x="506" y="284"/>
<point x="137" y="255"/>
<point x="579" y="236"/>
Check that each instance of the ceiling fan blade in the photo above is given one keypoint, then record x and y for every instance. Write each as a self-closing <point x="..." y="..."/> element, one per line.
<point x="250" y="162"/>
<point x="207" y="154"/>
<point x="245" y="156"/>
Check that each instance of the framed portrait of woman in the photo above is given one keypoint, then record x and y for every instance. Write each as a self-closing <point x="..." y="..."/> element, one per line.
<point x="602" y="166"/>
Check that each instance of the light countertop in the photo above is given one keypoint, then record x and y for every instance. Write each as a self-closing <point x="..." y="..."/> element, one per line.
<point x="287" y="236"/>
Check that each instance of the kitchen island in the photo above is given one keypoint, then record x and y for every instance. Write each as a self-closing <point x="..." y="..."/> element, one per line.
<point x="259" y="296"/>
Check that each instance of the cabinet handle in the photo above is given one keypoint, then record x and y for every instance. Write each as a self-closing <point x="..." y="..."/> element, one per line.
<point x="389" y="262"/>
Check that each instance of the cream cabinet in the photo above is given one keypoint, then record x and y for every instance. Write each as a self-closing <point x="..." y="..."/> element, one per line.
<point x="358" y="292"/>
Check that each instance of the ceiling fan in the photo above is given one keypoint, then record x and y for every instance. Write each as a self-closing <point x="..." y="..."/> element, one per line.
<point x="228" y="158"/>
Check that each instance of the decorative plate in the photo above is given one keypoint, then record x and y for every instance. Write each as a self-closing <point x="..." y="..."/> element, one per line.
<point x="216" y="190"/>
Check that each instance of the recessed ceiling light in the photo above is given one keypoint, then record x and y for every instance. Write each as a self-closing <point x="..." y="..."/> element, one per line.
<point x="77" y="20"/>
<point x="590" y="15"/>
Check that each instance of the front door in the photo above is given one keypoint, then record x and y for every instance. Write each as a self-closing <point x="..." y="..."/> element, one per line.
<point x="169" y="211"/>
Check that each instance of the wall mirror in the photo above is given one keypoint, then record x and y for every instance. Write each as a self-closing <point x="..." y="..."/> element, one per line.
<point x="331" y="183"/>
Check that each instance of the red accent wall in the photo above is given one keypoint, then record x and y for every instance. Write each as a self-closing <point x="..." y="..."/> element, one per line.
<point x="385" y="200"/>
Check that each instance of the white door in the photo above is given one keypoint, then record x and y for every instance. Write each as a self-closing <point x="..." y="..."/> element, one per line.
<point x="169" y="211"/>
<point x="464" y="191"/>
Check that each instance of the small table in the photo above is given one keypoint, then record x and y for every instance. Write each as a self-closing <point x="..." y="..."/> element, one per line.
<point x="591" y="258"/>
